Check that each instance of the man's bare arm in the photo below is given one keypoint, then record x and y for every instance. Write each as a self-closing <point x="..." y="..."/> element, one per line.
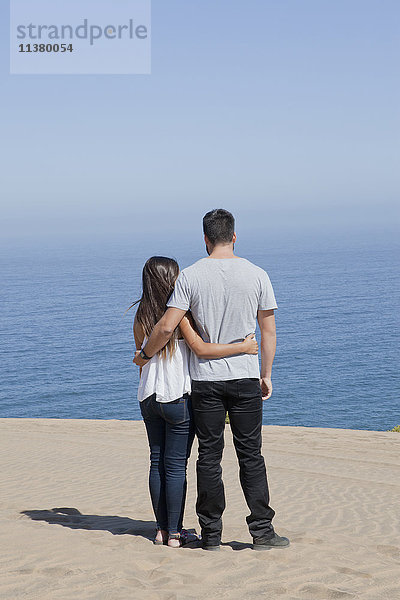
<point x="266" y="321"/>
<point x="161" y="333"/>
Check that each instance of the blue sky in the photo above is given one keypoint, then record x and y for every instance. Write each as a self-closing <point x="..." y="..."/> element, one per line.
<point x="283" y="111"/>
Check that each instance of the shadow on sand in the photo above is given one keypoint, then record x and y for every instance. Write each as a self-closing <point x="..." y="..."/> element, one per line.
<point x="72" y="518"/>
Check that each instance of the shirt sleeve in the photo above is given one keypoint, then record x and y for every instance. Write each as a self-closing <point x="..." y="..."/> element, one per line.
<point x="181" y="296"/>
<point x="267" y="297"/>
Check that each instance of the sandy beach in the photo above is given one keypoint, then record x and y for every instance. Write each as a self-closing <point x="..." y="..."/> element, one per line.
<point x="76" y="520"/>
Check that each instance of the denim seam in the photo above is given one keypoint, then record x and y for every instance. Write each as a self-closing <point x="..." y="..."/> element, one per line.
<point x="185" y="411"/>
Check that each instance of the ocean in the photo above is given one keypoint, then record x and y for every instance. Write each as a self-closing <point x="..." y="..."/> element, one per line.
<point x="66" y="346"/>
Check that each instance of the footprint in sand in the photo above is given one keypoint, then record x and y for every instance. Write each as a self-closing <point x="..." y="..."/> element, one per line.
<point x="323" y="592"/>
<point x="391" y="551"/>
<point x="348" y="571"/>
<point x="307" y="540"/>
<point x="23" y="571"/>
<point x="58" y="571"/>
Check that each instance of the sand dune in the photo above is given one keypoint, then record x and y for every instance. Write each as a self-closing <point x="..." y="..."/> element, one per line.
<point x="76" y="520"/>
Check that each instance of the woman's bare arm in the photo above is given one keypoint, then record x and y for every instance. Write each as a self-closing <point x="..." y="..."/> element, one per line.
<point x="203" y="349"/>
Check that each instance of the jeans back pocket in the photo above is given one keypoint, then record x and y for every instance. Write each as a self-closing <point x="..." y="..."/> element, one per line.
<point x="177" y="411"/>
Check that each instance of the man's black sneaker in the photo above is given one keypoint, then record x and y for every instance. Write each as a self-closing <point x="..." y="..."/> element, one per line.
<point x="275" y="542"/>
<point x="212" y="548"/>
<point x="210" y="543"/>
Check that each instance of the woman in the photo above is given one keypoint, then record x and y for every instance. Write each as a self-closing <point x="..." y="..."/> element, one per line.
<point x="164" y="395"/>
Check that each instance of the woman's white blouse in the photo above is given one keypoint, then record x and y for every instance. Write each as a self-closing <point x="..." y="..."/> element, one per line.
<point x="168" y="377"/>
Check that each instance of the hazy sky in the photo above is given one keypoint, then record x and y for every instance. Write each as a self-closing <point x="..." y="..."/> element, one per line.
<point x="282" y="111"/>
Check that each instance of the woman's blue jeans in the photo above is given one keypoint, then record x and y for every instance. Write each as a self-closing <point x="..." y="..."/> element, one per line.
<point x="170" y="432"/>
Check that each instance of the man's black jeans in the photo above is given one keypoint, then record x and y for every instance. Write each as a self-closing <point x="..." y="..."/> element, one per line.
<point x="241" y="398"/>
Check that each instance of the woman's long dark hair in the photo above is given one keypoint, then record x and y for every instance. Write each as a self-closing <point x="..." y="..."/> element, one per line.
<point x="158" y="280"/>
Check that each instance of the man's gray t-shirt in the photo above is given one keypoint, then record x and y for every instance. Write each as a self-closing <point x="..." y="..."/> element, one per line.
<point x="223" y="295"/>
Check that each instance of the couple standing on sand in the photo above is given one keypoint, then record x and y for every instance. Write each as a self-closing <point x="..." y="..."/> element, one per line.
<point x="194" y="333"/>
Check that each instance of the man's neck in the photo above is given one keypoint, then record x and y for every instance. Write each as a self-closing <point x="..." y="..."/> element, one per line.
<point x="222" y="251"/>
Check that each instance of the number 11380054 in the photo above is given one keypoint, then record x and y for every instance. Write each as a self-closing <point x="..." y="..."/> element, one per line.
<point x="45" y="48"/>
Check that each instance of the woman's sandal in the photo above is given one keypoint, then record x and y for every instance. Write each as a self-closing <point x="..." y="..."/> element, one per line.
<point x="161" y="537"/>
<point x="174" y="540"/>
<point x="177" y="540"/>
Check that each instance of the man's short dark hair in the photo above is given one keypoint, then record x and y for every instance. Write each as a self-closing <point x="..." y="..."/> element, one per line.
<point x="219" y="226"/>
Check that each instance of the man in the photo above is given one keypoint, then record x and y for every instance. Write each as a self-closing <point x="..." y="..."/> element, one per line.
<point x="226" y="295"/>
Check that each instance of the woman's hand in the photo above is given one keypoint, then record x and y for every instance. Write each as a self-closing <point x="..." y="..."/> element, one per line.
<point x="138" y="360"/>
<point x="250" y="345"/>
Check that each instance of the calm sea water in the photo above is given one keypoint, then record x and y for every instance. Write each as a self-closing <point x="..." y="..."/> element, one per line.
<point x="66" y="347"/>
